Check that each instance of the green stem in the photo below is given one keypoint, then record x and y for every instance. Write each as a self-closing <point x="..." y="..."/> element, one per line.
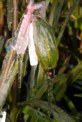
<point x="57" y="13"/>
<point x="51" y="17"/>
<point x="50" y="95"/>
<point x="32" y="81"/>
<point x="47" y="3"/>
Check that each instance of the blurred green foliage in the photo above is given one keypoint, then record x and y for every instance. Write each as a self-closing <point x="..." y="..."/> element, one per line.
<point x="32" y="104"/>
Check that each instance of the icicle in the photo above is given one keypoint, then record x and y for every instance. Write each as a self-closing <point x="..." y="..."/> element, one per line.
<point x="31" y="47"/>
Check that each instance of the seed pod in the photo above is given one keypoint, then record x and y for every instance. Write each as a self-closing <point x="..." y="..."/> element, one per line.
<point x="45" y="44"/>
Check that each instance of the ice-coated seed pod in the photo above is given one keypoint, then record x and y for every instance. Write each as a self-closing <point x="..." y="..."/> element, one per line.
<point x="45" y="44"/>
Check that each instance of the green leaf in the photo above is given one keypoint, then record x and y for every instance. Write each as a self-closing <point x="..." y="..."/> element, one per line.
<point x="41" y="117"/>
<point x="14" y="114"/>
<point x="78" y="95"/>
<point x="59" y="91"/>
<point x="58" y="114"/>
<point x="70" y="104"/>
<point x="26" y="117"/>
<point x="6" y="85"/>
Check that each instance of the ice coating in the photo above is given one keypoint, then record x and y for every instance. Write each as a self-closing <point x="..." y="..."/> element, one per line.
<point x="32" y="53"/>
<point x="22" y="39"/>
<point x="19" y="48"/>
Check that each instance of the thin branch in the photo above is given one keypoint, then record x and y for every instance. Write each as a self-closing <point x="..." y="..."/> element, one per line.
<point x="15" y="15"/>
